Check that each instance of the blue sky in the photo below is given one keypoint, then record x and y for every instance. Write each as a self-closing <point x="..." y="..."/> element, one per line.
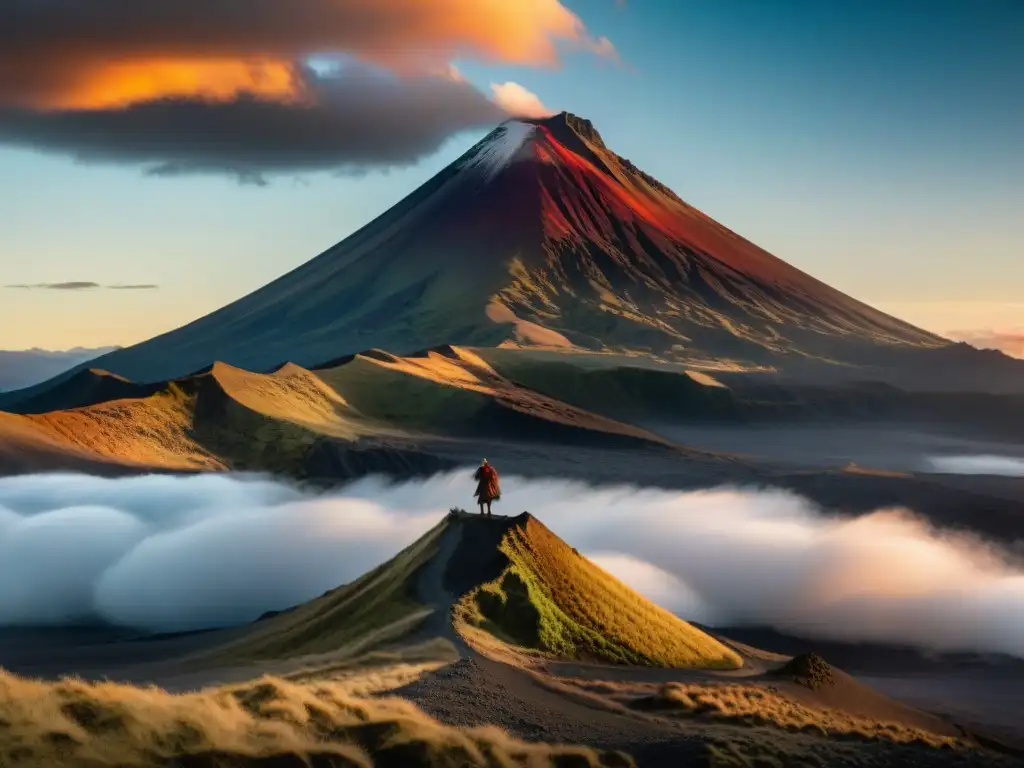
<point x="876" y="145"/>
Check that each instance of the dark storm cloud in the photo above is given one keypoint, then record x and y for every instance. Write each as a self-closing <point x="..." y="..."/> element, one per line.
<point x="397" y="121"/>
<point x="220" y="85"/>
<point x="390" y="31"/>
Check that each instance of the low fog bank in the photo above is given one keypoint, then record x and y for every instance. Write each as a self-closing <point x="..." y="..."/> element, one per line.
<point x="178" y="553"/>
<point x="892" y="448"/>
<point x="1008" y="466"/>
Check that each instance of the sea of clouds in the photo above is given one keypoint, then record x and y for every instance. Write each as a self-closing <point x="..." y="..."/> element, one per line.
<point x="985" y="464"/>
<point x="178" y="553"/>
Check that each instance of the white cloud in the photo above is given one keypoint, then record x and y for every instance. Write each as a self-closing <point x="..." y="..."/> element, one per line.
<point x="977" y="465"/>
<point x="168" y="553"/>
<point x="518" y="101"/>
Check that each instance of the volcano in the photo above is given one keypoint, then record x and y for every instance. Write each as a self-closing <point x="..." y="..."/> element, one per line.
<point x="541" y="236"/>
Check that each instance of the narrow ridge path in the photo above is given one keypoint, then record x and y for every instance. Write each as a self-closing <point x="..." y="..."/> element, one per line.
<point x="431" y="590"/>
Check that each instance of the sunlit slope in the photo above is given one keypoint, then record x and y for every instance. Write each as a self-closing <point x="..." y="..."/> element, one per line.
<point x="549" y="597"/>
<point x="153" y="432"/>
<point x="453" y="391"/>
<point x="626" y="264"/>
<point x="27" y="446"/>
<point x="225" y="418"/>
<point x="268" y="422"/>
<point x="228" y="418"/>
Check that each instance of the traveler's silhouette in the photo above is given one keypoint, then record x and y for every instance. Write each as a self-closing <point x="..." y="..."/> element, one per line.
<point x="487" y="487"/>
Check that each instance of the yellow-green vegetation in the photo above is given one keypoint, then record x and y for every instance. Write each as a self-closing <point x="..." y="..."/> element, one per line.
<point x="379" y="607"/>
<point x="551" y="598"/>
<point x="268" y="722"/>
<point x="758" y="706"/>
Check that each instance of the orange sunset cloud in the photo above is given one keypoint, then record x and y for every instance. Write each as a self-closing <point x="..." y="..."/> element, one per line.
<point x="1010" y="341"/>
<point x="162" y="83"/>
<point x="112" y="85"/>
<point x="100" y="55"/>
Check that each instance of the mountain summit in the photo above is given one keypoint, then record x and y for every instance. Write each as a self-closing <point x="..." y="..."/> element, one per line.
<point x="504" y="580"/>
<point x="539" y="235"/>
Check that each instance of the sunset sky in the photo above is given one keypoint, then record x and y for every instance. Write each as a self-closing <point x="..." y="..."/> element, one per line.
<point x="159" y="163"/>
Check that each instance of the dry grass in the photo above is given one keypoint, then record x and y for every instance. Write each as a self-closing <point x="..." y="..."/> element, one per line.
<point x="269" y="722"/>
<point x="426" y="394"/>
<point x="757" y="706"/>
<point x="269" y="422"/>
<point x="232" y="418"/>
<point x="153" y="431"/>
<point x="377" y="671"/>
<point x="552" y="598"/>
<point x="290" y="394"/>
<point x="444" y="391"/>
<point x="264" y="422"/>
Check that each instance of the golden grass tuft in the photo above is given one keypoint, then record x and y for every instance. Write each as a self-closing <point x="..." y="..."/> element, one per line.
<point x="153" y="431"/>
<point x="552" y="598"/>
<point x="758" y="706"/>
<point x="268" y="722"/>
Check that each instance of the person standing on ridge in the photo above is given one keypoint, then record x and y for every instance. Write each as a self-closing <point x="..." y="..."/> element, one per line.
<point x="487" y="488"/>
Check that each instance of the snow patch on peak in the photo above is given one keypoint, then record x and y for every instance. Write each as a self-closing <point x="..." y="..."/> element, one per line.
<point x="499" y="149"/>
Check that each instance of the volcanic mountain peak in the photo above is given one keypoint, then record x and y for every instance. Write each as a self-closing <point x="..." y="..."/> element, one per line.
<point x="566" y="126"/>
<point x="540" y="235"/>
<point x="502" y="146"/>
<point x="523" y="139"/>
<point x="580" y="125"/>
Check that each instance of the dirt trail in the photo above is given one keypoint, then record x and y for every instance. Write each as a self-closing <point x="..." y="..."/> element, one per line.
<point x="478" y="690"/>
<point x="431" y="590"/>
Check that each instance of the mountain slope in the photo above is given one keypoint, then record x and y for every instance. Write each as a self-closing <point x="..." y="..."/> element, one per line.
<point x="545" y="595"/>
<point x="538" y="235"/>
<point x="625" y="253"/>
<point x="298" y="422"/>
<point x="448" y="576"/>
<point x="146" y="433"/>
